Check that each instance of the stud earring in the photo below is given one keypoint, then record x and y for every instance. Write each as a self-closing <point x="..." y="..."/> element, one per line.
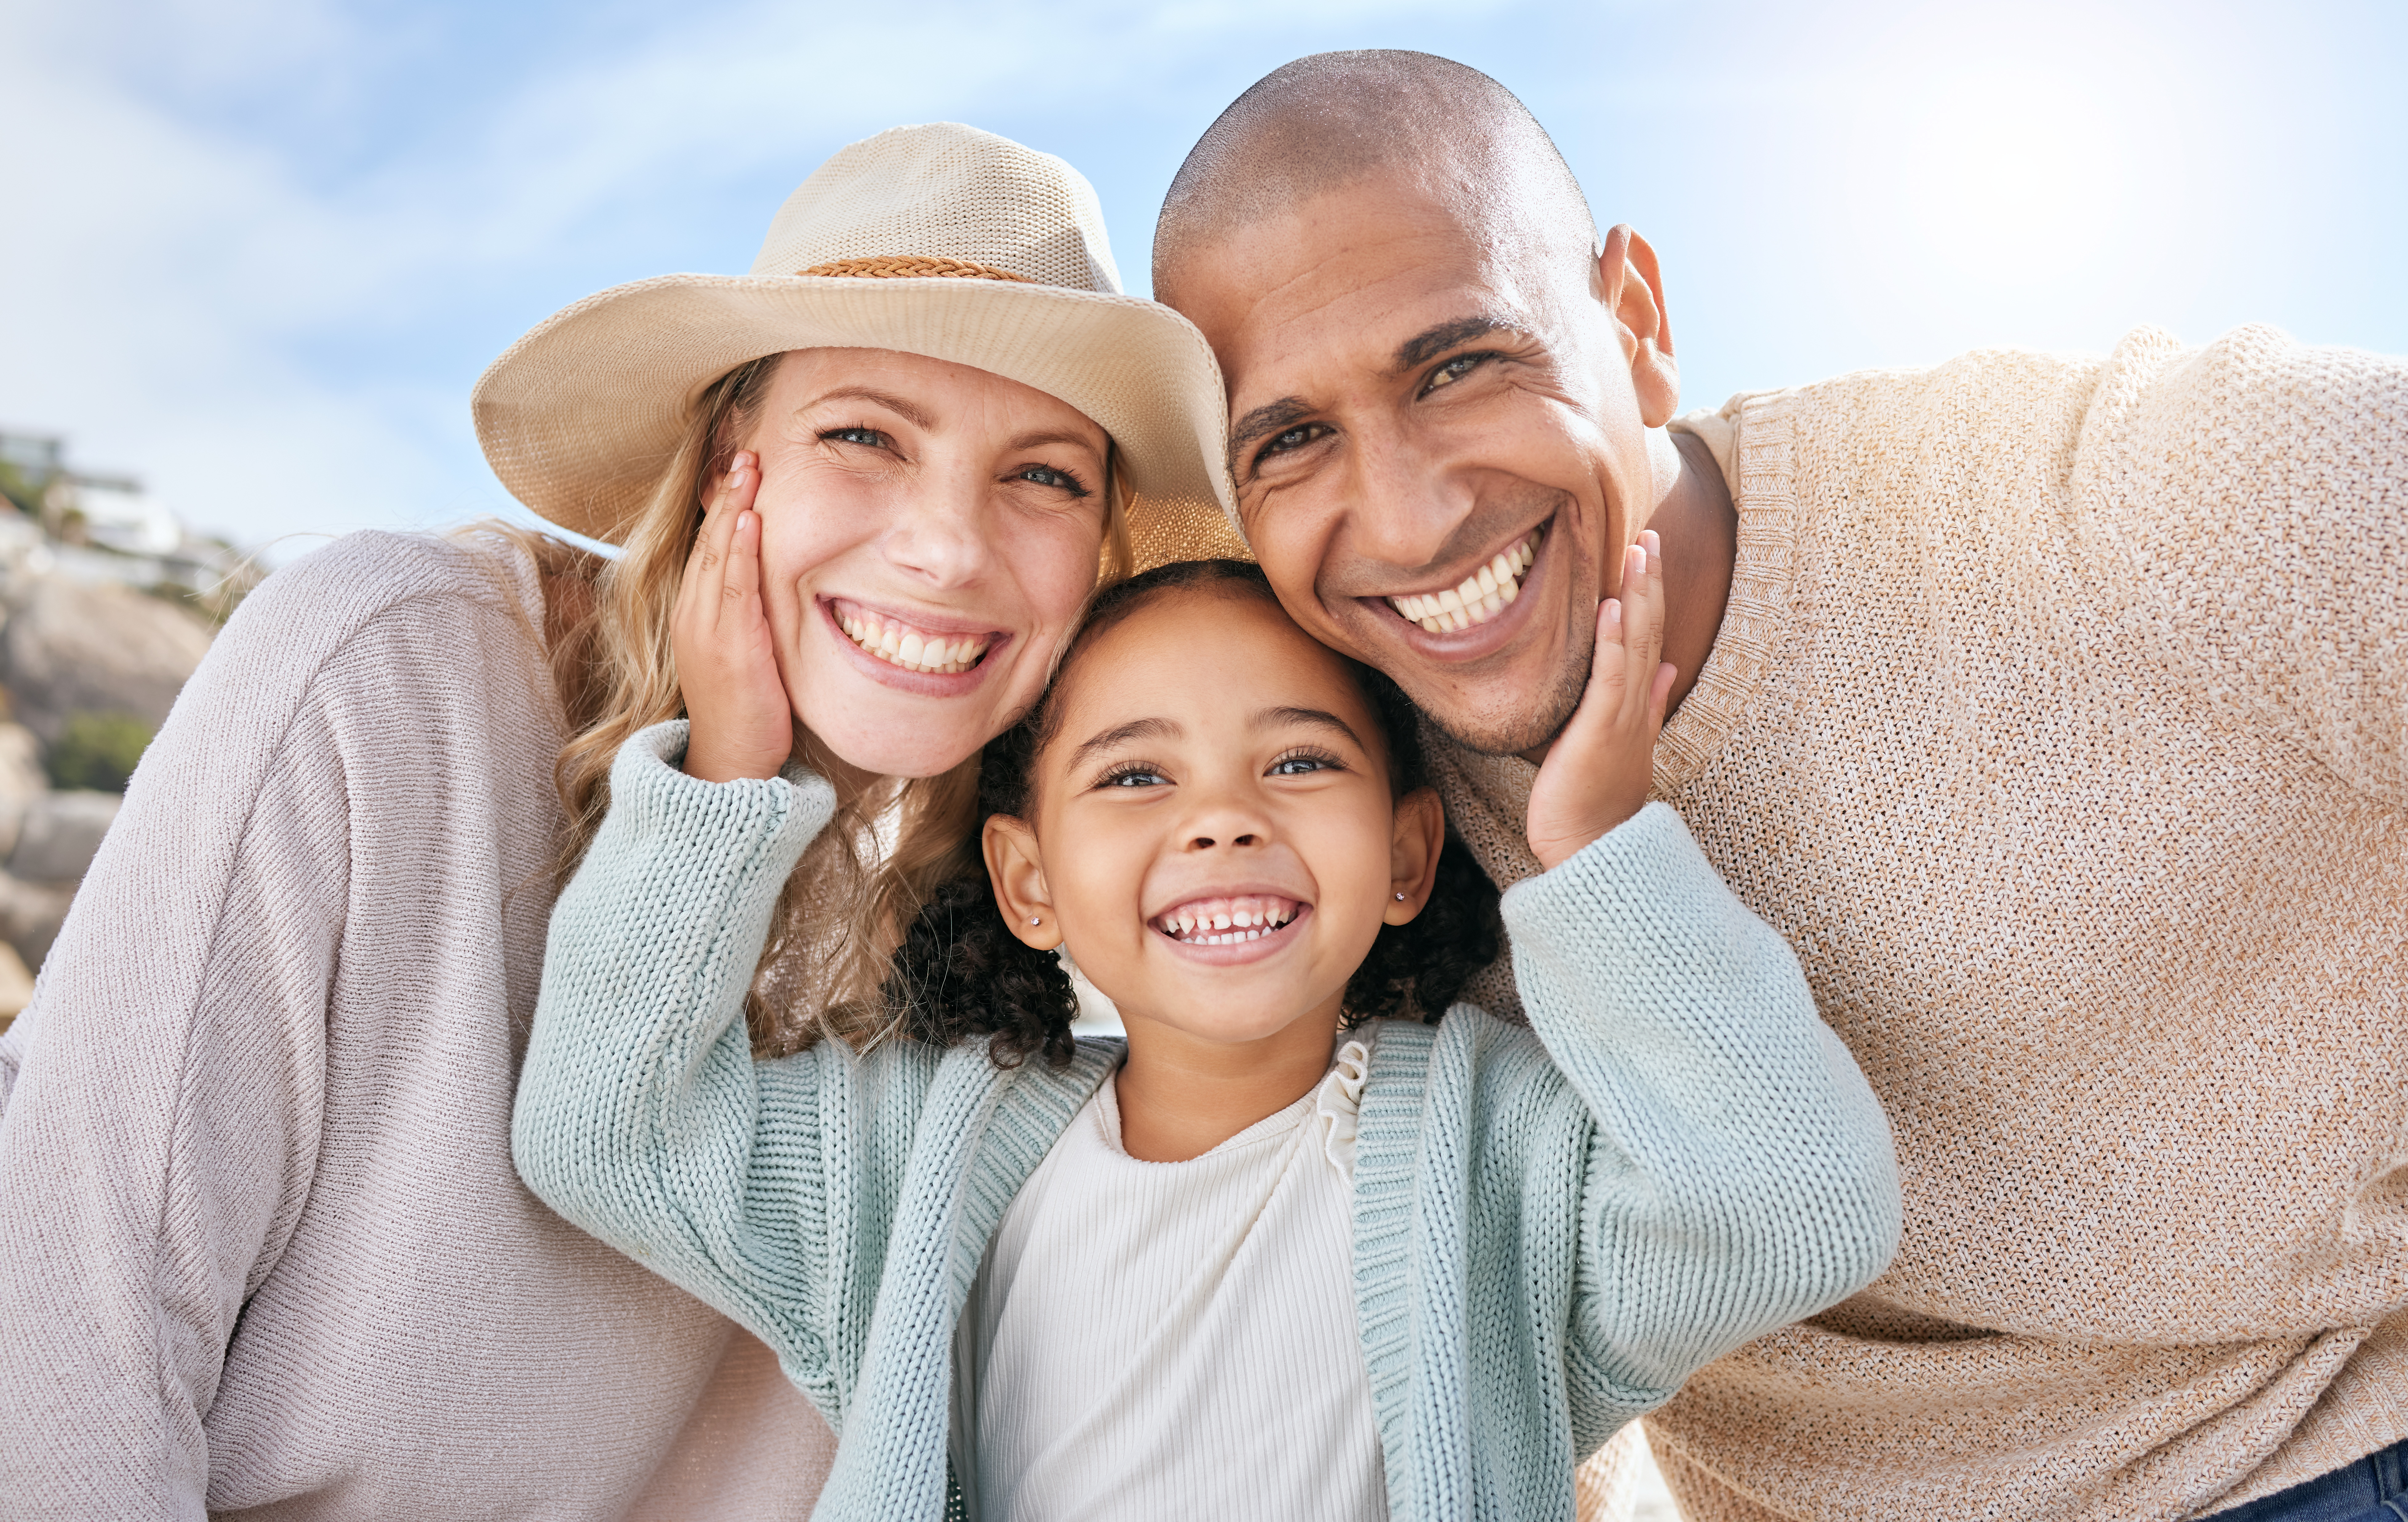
<point x="1033" y="920"/>
<point x="1400" y="898"/>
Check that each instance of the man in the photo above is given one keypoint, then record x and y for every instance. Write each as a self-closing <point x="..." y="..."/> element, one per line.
<point x="2052" y="708"/>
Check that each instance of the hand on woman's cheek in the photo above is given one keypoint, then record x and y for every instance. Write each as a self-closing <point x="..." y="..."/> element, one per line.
<point x="727" y="661"/>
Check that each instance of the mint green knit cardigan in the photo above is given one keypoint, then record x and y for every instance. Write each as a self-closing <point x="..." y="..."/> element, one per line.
<point x="1554" y="1227"/>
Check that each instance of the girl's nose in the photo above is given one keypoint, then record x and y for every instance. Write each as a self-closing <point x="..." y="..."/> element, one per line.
<point x="1206" y="843"/>
<point x="941" y="535"/>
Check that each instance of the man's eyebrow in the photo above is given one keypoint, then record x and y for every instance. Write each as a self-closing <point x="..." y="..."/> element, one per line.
<point x="1136" y="729"/>
<point x="1430" y="343"/>
<point x="918" y="415"/>
<point x="1320" y="719"/>
<point x="1278" y="417"/>
<point x="1271" y="418"/>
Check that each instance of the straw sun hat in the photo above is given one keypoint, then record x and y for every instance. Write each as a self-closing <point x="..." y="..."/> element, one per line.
<point x="940" y="240"/>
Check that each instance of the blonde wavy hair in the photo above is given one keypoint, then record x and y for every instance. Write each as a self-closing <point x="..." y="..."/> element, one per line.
<point x="856" y="892"/>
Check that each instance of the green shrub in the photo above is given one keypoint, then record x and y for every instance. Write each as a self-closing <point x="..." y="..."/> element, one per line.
<point x="98" y="750"/>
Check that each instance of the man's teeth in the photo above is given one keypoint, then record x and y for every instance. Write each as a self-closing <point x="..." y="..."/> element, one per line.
<point x="898" y="645"/>
<point x="1479" y="597"/>
<point x="1226" y="921"/>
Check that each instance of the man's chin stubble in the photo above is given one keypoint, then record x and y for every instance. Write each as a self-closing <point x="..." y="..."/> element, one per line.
<point x="1523" y="728"/>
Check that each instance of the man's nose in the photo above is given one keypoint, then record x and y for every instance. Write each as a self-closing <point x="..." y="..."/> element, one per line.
<point x="1403" y="501"/>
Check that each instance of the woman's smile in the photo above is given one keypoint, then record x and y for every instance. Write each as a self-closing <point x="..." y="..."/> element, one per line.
<point x="915" y="643"/>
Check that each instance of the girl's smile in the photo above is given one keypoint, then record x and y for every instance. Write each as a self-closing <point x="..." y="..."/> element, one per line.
<point x="1224" y="930"/>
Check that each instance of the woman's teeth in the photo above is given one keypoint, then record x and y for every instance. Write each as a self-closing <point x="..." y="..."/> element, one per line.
<point x="1226" y="921"/>
<point x="900" y="644"/>
<point x="1479" y="598"/>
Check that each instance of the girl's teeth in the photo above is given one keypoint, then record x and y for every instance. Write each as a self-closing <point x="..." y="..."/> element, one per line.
<point x="1478" y="598"/>
<point x="1228" y="925"/>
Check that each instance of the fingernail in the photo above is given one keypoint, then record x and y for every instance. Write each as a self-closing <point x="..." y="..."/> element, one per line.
<point x="1614" y="611"/>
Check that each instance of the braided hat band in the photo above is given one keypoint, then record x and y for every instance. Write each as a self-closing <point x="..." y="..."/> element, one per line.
<point x="914" y="267"/>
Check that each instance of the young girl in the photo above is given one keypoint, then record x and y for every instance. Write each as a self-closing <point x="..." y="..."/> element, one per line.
<point x="1225" y="1270"/>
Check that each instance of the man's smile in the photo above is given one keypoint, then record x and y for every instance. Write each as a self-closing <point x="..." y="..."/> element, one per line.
<point x="1477" y="598"/>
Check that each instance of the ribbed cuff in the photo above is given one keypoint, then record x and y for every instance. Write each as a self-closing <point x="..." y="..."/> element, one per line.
<point x="652" y="801"/>
<point x="1643" y="863"/>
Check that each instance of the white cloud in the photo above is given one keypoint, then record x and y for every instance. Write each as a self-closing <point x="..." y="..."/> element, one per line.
<point x="191" y="259"/>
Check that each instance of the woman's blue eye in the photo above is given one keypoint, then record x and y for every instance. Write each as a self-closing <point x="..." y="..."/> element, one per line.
<point x="869" y="436"/>
<point x="1047" y="475"/>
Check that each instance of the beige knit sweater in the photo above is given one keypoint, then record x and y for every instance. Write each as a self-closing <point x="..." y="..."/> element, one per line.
<point x="262" y="1248"/>
<point x="2056" y="719"/>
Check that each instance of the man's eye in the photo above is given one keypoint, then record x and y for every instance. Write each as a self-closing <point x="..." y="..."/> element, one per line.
<point x="868" y="436"/>
<point x="1455" y="370"/>
<point x="1296" y="438"/>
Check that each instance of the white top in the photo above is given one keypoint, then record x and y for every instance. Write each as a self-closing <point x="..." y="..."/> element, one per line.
<point x="1173" y="1340"/>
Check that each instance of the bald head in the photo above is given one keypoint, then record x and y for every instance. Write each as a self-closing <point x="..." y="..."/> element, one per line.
<point x="1337" y="120"/>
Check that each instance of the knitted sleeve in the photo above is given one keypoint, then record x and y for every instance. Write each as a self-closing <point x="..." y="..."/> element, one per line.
<point x="642" y="1114"/>
<point x="1739" y="1174"/>
<point x="2260" y="489"/>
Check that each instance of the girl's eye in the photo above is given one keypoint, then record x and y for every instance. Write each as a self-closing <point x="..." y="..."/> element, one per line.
<point x="1455" y="370"/>
<point x="1061" y="480"/>
<point x="1133" y="777"/>
<point x="1303" y="763"/>
<point x="869" y="437"/>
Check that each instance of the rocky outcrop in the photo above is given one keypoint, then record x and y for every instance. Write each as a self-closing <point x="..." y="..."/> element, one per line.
<point x="71" y="647"/>
<point x="20" y="781"/>
<point x="61" y="834"/>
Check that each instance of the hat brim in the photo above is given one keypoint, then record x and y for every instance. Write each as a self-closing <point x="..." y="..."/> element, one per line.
<point x="581" y="416"/>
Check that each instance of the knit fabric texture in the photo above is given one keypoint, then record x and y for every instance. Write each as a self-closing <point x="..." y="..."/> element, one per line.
<point x="262" y="1250"/>
<point x="2057" y="722"/>
<point x="1552" y="1225"/>
<point x="1207" y="1296"/>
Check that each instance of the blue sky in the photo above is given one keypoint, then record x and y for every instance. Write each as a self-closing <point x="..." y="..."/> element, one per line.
<point x="258" y="251"/>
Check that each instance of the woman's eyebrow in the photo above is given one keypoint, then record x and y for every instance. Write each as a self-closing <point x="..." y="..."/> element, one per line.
<point x="914" y="413"/>
<point x="1136" y="729"/>
<point x="1054" y="436"/>
<point x="1320" y="719"/>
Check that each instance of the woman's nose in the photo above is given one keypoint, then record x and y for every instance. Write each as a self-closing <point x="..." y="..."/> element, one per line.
<point x="942" y="534"/>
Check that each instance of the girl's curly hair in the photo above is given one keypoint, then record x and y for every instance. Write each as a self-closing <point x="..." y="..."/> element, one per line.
<point x="961" y="973"/>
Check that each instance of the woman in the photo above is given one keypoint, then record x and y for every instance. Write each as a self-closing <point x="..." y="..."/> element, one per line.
<point x="261" y="1244"/>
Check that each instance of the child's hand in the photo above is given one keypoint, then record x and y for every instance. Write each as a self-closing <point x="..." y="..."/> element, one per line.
<point x="1597" y="773"/>
<point x="727" y="663"/>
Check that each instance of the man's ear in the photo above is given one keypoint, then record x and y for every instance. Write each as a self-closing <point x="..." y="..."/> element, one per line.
<point x="1018" y="874"/>
<point x="1419" y="836"/>
<point x="1632" y="288"/>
